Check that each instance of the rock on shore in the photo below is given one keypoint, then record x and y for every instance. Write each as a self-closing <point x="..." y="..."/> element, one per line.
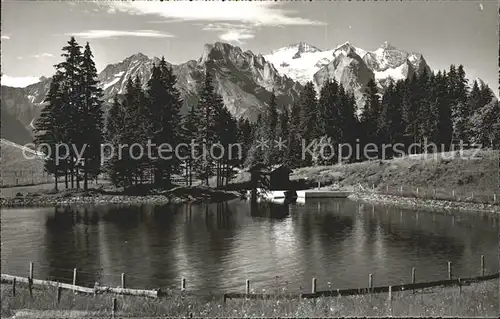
<point x="425" y="204"/>
<point x="175" y="195"/>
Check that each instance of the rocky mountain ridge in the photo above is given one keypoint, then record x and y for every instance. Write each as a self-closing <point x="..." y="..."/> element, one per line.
<point x="244" y="80"/>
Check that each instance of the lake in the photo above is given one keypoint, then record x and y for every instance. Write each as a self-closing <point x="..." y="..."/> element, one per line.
<point x="216" y="247"/>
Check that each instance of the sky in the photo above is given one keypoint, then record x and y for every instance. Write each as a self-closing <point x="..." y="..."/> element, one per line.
<point x="445" y="32"/>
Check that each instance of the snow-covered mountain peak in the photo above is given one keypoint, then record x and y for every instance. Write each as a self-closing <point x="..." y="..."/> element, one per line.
<point x="220" y="51"/>
<point x="137" y="57"/>
<point x="301" y="47"/>
<point x="305" y="47"/>
<point x="348" y="50"/>
<point x="387" y="46"/>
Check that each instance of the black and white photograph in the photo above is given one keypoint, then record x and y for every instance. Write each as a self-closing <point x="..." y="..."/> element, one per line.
<point x="250" y="159"/>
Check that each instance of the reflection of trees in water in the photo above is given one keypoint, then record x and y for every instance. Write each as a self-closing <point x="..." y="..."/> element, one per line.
<point x="69" y="241"/>
<point x="416" y="231"/>
<point x="207" y="243"/>
<point x="81" y="236"/>
<point x="269" y="210"/>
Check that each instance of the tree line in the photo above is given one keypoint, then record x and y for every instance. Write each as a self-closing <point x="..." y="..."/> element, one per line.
<point x="435" y="108"/>
<point x="153" y="115"/>
<point x="440" y="108"/>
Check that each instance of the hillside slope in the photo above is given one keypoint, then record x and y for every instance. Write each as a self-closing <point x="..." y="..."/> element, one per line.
<point x="16" y="168"/>
<point x="478" y="174"/>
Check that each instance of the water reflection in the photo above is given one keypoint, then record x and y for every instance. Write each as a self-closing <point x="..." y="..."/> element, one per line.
<point x="216" y="247"/>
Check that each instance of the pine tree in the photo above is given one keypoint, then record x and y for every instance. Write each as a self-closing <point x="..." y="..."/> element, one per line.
<point x="91" y="117"/>
<point x="282" y="133"/>
<point x="442" y="104"/>
<point x="389" y="122"/>
<point x="347" y="114"/>
<point x="113" y="123"/>
<point x="48" y="130"/>
<point x="163" y="120"/>
<point x="70" y="74"/>
<point x="486" y="95"/>
<point x="371" y="113"/>
<point x="226" y="131"/>
<point x="329" y="110"/>
<point x="294" y="154"/>
<point x="410" y="108"/>
<point x="116" y="166"/>
<point x="308" y="129"/>
<point x="245" y="137"/>
<point x="190" y="126"/>
<point x="474" y="98"/>
<point x="460" y="109"/>
<point x="426" y="114"/>
<point x="256" y="151"/>
<point x="271" y="122"/>
<point x="129" y="168"/>
<point x="485" y="126"/>
<point x="206" y="137"/>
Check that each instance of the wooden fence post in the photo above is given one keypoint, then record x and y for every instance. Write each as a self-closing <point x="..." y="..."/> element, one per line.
<point x="453" y="194"/>
<point x="387" y="189"/>
<point x="14" y="287"/>
<point x="247" y="287"/>
<point x="30" y="286"/>
<point x="313" y="288"/>
<point x="123" y="280"/>
<point x="459" y="286"/>
<point x="183" y="284"/>
<point x="449" y="270"/>
<point x="390" y="301"/>
<point x="401" y="189"/>
<point x="370" y="282"/>
<point x="114" y="307"/>
<point x="417" y="191"/>
<point x="482" y="265"/>
<point x="74" y="277"/>
<point x="494" y="198"/>
<point x="413" y="277"/>
<point x="59" y="289"/>
<point x="32" y="269"/>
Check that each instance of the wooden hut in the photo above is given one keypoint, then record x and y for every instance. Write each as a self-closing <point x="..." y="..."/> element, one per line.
<point x="279" y="178"/>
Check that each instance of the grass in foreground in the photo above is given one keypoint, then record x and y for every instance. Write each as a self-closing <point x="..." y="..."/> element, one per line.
<point x="476" y="300"/>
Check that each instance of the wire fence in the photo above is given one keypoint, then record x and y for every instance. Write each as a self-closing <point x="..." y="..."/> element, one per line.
<point x="74" y="278"/>
<point x="12" y="178"/>
<point x="458" y="194"/>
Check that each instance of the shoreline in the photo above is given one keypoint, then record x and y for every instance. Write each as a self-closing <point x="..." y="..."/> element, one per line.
<point x="476" y="299"/>
<point x="424" y="204"/>
<point x="174" y="196"/>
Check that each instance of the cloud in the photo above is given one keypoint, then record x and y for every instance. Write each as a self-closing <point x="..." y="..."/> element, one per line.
<point x="235" y="36"/>
<point x="5" y="37"/>
<point x="231" y="32"/>
<point x="102" y="34"/>
<point x="18" y="81"/>
<point x="255" y="13"/>
<point x="224" y="26"/>
<point x="42" y="55"/>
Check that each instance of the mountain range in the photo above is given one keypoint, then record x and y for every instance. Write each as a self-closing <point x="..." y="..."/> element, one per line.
<point x="244" y="79"/>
